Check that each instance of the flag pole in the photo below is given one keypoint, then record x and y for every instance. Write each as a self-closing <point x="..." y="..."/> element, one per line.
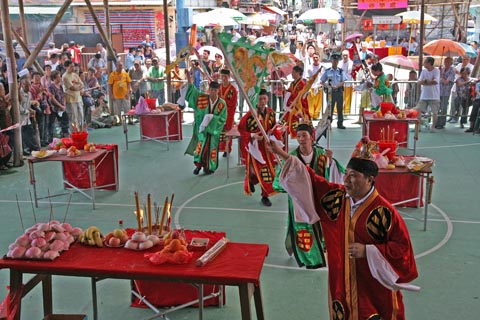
<point x="241" y="88"/>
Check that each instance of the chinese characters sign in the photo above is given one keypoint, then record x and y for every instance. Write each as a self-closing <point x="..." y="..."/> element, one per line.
<point x="381" y="4"/>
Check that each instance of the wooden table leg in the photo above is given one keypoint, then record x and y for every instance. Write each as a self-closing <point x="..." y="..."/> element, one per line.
<point x="15" y="290"/>
<point x="245" y="301"/>
<point x="47" y="295"/>
<point x="257" y="297"/>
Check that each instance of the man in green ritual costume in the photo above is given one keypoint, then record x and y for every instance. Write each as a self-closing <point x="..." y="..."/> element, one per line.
<point x="210" y="116"/>
<point x="303" y="240"/>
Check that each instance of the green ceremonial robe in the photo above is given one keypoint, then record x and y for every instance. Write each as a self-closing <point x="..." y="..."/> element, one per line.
<point x="303" y="240"/>
<point x="204" y="145"/>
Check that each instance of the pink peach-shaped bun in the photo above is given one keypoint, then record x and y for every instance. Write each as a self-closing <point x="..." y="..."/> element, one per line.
<point x="37" y="234"/>
<point x="43" y="227"/>
<point x="67" y="227"/>
<point x="50" y="235"/>
<point x="60" y="236"/>
<point x="31" y="229"/>
<point x="23" y="240"/>
<point x="33" y="252"/>
<point x="57" y="245"/>
<point x="57" y="228"/>
<point x="39" y="242"/>
<point x="76" y="232"/>
<point x="51" y="254"/>
<point x="17" y="253"/>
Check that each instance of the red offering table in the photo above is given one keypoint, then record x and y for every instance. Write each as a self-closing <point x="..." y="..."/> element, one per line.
<point x="404" y="188"/>
<point x="372" y="128"/>
<point x="164" y="294"/>
<point x="86" y="160"/>
<point x="240" y="264"/>
<point x="76" y="173"/>
<point x="164" y="126"/>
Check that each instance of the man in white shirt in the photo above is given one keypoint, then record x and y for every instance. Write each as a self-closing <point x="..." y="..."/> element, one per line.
<point x="430" y="91"/>
<point x="315" y="96"/>
<point x="346" y="64"/>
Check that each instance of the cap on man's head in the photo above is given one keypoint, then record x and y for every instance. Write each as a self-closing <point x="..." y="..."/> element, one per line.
<point x="225" y="71"/>
<point x="263" y="92"/>
<point x="305" y="127"/>
<point x="335" y="56"/>
<point x="365" y="166"/>
<point x="214" y="85"/>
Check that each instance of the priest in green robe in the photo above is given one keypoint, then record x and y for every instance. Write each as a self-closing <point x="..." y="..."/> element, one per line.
<point x="210" y="116"/>
<point x="305" y="241"/>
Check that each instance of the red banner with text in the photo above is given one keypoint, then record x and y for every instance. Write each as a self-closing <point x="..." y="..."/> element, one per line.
<point x="381" y="4"/>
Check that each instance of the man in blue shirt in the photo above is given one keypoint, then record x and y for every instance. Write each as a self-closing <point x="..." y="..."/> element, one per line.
<point x="333" y="80"/>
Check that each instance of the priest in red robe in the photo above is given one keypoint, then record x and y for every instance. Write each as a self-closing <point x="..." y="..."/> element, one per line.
<point x="230" y="95"/>
<point x="259" y="162"/>
<point x="370" y="256"/>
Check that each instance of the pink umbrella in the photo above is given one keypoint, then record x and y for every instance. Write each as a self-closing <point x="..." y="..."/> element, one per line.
<point x="353" y="36"/>
<point x="399" y="61"/>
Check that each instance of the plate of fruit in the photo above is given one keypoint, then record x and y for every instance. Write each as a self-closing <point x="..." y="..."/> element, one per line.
<point x="115" y="239"/>
<point x="89" y="147"/>
<point x="43" y="153"/>
<point x="73" y="152"/>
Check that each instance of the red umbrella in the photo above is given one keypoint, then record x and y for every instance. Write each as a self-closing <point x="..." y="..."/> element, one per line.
<point x="399" y="61"/>
<point x="353" y="36"/>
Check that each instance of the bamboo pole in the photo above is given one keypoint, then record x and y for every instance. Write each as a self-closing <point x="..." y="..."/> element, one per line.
<point x="47" y="34"/>
<point x="101" y="30"/>
<point x="26" y="50"/>
<point x="21" y="11"/>
<point x="12" y="82"/>
<point x="167" y="48"/>
<point x="110" y="51"/>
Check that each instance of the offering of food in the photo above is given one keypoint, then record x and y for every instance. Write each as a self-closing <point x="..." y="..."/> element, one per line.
<point x="44" y="241"/>
<point x="73" y="152"/>
<point x="89" y="147"/>
<point x="115" y="239"/>
<point x="140" y="241"/>
<point x="43" y="153"/>
<point x="419" y="163"/>
<point x="92" y="237"/>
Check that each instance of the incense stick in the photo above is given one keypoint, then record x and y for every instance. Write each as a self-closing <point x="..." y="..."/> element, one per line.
<point x="137" y="212"/>
<point x="149" y="214"/>
<point x="51" y="206"/>
<point x="165" y="204"/>
<point x="20" y="212"/>
<point x="68" y="207"/>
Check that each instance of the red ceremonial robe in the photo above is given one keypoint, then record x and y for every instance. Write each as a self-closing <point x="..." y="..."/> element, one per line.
<point x="256" y="171"/>
<point x="230" y="95"/>
<point x="291" y="118"/>
<point x="354" y="293"/>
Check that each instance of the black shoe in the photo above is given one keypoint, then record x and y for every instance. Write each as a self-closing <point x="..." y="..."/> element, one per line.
<point x="452" y="120"/>
<point x="207" y="171"/>
<point x="462" y="126"/>
<point x="439" y="127"/>
<point x="224" y="155"/>
<point x="266" y="202"/>
<point x="252" y="187"/>
<point x="196" y="171"/>
<point x="107" y="126"/>
<point x="469" y="130"/>
<point x="341" y="127"/>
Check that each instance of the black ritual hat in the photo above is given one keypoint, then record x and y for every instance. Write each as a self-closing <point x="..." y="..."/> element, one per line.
<point x="225" y="71"/>
<point x="365" y="166"/>
<point x="214" y="85"/>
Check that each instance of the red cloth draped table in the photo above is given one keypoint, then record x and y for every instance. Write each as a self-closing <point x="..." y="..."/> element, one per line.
<point x="405" y="188"/>
<point x="87" y="164"/>
<point x="164" y="294"/>
<point x="372" y="127"/>
<point x="76" y="173"/>
<point x="164" y="126"/>
<point x="239" y="264"/>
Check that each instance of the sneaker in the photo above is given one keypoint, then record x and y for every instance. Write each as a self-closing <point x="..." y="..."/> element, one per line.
<point x="266" y="202"/>
<point x="469" y="130"/>
<point x="196" y="171"/>
<point x="252" y="187"/>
